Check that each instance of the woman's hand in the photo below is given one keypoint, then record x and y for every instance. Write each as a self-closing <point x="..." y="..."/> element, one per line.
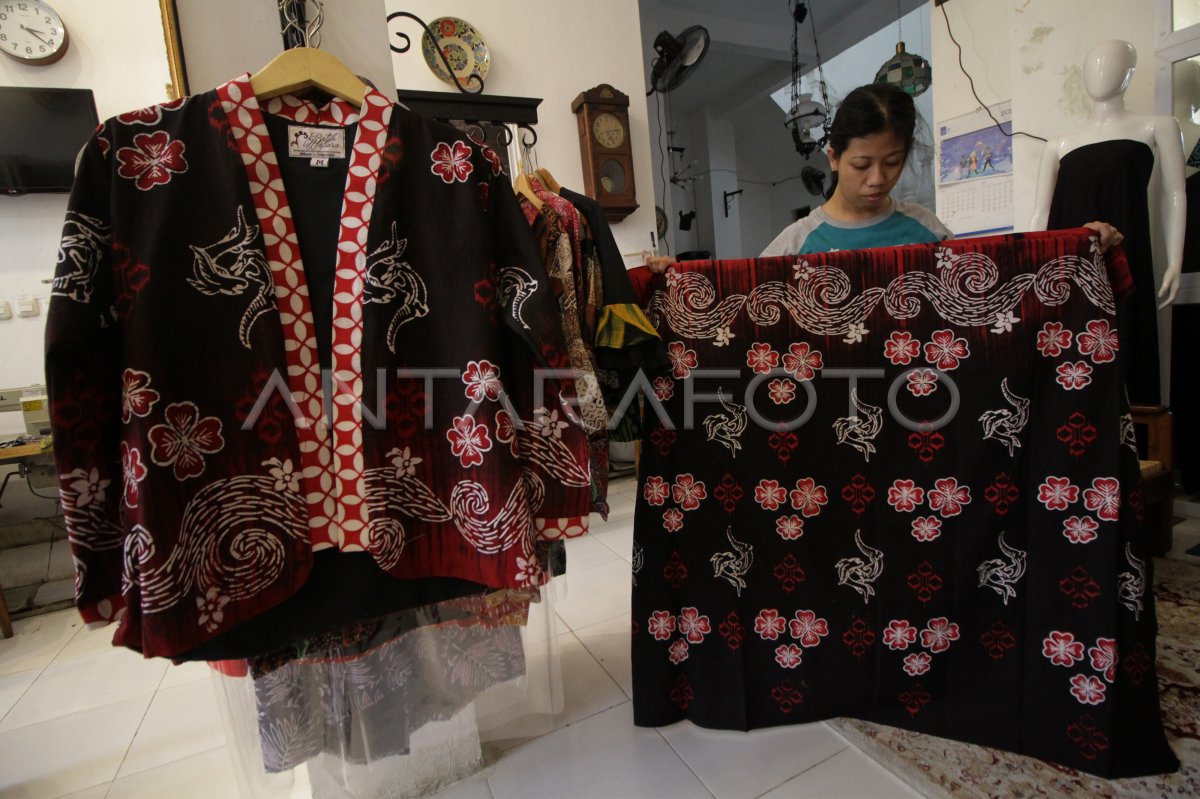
<point x="659" y="263"/>
<point x="1109" y="236"/>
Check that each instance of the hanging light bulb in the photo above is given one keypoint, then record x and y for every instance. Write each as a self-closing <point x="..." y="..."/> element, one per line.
<point x="906" y="70"/>
<point x="806" y="114"/>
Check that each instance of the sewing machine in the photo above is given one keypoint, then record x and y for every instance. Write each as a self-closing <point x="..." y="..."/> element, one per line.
<point x="31" y="403"/>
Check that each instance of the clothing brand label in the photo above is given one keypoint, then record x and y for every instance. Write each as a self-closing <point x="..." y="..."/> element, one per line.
<point x="306" y="142"/>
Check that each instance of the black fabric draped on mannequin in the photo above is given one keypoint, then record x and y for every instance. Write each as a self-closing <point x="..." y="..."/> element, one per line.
<point x="1107" y="182"/>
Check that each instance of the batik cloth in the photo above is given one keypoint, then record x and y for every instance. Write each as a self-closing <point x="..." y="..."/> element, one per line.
<point x="899" y="485"/>
<point x="204" y="449"/>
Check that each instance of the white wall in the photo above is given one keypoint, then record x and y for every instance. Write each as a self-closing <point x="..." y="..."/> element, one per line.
<point x="117" y="50"/>
<point x="1031" y="51"/>
<point x="554" y="49"/>
<point x="216" y="50"/>
<point x="768" y="173"/>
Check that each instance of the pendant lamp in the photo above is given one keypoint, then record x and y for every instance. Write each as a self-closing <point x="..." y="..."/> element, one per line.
<point x="909" y="71"/>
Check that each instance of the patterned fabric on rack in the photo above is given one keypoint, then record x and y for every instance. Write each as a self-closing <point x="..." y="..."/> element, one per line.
<point x="902" y="487"/>
<point x="557" y="235"/>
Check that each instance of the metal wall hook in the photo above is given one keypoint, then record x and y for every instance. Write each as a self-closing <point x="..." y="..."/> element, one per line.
<point x="407" y="44"/>
<point x="299" y="29"/>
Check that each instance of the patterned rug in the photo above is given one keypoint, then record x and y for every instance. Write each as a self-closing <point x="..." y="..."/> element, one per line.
<point x="937" y="767"/>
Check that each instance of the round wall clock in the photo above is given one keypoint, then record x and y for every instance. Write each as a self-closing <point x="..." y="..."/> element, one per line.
<point x="32" y="32"/>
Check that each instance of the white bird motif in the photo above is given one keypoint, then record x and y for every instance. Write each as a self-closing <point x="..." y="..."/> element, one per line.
<point x="388" y="278"/>
<point x="858" y="574"/>
<point x="514" y="285"/>
<point x="1131" y="586"/>
<point x="1128" y="434"/>
<point x="1000" y="575"/>
<point x="860" y="431"/>
<point x="85" y="239"/>
<point x="727" y="429"/>
<point x="1004" y="425"/>
<point x="234" y="266"/>
<point x="733" y="565"/>
<point x="639" y="560"/>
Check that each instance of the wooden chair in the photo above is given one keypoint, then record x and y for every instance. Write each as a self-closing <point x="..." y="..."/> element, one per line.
<point x="1155" y="430"/>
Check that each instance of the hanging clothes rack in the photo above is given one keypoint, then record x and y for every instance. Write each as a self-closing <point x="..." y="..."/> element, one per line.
<point x="468" y="104"/>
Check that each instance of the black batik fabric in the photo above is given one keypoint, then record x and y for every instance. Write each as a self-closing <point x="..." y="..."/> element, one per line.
<point x="898" y="485"/>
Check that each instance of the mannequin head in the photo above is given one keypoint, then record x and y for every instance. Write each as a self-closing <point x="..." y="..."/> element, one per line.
<point x="1187" y="91"/>
<point x="1107" y="69"/>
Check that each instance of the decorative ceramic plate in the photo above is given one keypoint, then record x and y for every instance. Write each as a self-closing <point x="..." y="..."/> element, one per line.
<point x="463" y="47"/>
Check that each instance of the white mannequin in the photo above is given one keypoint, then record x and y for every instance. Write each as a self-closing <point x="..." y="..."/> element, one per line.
<point x="1107" y="70"/>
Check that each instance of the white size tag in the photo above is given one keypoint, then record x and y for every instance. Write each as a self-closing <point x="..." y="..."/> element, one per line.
<point x="308" y="142"/>
<point x="319" y="162"/>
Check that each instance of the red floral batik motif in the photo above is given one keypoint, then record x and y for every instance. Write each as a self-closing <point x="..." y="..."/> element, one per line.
<point x="926" y="444"/>
<point x="787" y="696"/>
<point x="675" y="572"/>
<point x="1079" y="587"/>
<point x="693" y="625"/>
<point x="663" y="440"/>
<point x="152" y="160"/>
<point x="1002" y="494"/>
<point x="273" y="417"/>
<point x="733" y="631"/>
<point x="789" y="573"/>
<point x="769" y="624"/>
<point x="925" y="582"/>
<point x="901" y="348"/>
<point x="997" y="640"/>
<point x="858" y="637"/>
<point x="915" y="699"/>
<point x="1099" y="342"/>
<point x="1052" y="339"/>
<point x="405" y="405"/>
<point x="858" y="493"/>
<point x="1077" y="433"/>
<point x="808" y="497"/>
<point x="802" y="361"/>
<point x="784" y="442"/>
<point x="1090" y="739"/>
<point x="1104" y="497"/>
<point x="769" y="494"/>
<point x="1136" y="663"/>
<point x="728" y="493"/>
<point x="807" y="628"/>
<point x="681" y="693"/>
<point x="761" y="358"/>
<point x="946" y="351"/>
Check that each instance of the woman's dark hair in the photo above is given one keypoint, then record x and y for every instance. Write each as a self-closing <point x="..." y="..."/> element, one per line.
<point x="870" y="109"/>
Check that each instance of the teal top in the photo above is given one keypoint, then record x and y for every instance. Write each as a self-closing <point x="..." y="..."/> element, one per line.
<point x="902" y="223"/>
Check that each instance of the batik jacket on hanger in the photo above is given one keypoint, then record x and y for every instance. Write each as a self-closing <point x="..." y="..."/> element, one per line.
<point x="198" y="468"/>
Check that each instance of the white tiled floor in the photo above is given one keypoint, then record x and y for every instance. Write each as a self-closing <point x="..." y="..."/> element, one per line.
<point x="80" y="719"/>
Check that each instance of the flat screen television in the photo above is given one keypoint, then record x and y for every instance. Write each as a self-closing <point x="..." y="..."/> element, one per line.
<point x="41" y="133"/>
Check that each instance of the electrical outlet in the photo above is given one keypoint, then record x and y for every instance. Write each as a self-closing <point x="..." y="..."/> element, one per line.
<point x="28" y="306"/>
<point x="5" y="310"/>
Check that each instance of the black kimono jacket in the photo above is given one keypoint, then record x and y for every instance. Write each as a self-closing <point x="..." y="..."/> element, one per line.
<point x="215" y="423"/>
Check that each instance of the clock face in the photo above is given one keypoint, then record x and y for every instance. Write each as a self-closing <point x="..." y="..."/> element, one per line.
<point x="31" y="31"/>
<point x="608" y="130"/>
<point x="612" y="177"/>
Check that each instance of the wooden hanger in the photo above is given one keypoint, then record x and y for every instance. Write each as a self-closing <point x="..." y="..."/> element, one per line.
<point x="548" y="180"/>
<point x="521" y="186"/>
<point x="302" y="67"/>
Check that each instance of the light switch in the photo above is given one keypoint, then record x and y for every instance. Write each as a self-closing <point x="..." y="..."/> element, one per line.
<point x="5" y="310"/>
<point x="28" y="306"/>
